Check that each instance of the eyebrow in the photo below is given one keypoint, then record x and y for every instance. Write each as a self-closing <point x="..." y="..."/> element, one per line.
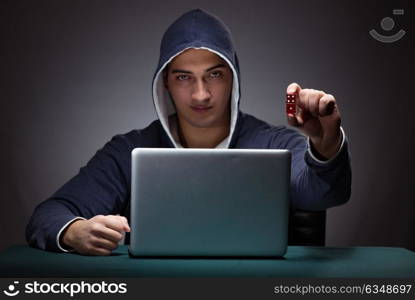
<point x="221" y="65"/>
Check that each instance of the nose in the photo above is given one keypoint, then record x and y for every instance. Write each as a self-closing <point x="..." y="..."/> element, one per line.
<point x="200" y="91"/>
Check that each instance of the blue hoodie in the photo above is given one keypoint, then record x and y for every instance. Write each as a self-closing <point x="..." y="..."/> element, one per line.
<point x="102" y="187"/>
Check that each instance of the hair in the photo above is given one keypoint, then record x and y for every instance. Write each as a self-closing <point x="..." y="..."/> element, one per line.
<point x="165" y="73"/>
<point x="166" y="69"/>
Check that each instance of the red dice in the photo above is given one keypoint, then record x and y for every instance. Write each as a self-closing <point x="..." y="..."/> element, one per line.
<point x="290" y="106"/>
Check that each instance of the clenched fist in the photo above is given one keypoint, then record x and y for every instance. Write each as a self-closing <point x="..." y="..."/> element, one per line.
<point x="96" y="236"/>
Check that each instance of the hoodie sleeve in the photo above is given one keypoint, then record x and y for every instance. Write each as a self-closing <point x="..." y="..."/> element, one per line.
<point x="100" y="187"/>
<point x="315" y="184"/>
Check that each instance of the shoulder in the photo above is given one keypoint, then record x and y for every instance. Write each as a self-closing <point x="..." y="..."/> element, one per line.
<point x="144" y="137"/>
<point x="126" y="142"/>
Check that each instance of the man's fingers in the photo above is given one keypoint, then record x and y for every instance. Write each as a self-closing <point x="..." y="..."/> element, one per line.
<point x="326" y="105"/>
<point x="102" y="231"/>
<point x="292" y="120"/>
<point x="117" y="223"/>
<point x="127" y="226"/>
<point x="308" y="101"/>
<point x="101" y="234"/>
<point x="293" y="88"/>
<point x="98" y="242"/>
<point x="295" y="120"/>
<point x="303" y="99"/>
<point x="125" y="222"/>
<point x="314" y="101"/>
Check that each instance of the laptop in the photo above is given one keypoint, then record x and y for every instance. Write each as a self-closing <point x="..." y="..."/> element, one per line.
<point x="209" y="202"/>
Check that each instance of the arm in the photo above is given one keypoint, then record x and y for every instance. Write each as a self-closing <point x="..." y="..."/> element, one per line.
<point x="321" y="172"/>
<point x="316" y="184"/>
<point x="100" y="188"/>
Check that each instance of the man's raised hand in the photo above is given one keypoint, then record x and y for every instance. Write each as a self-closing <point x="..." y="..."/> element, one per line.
<point x="317" y="116"/>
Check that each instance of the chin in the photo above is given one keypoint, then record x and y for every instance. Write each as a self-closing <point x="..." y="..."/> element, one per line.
<point x="202" y="123"/>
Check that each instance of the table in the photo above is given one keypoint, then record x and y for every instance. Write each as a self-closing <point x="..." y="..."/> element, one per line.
<point x="306" y="262"/>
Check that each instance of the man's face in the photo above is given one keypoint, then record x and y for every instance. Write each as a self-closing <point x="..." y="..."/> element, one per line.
<point x="200" y="84"/>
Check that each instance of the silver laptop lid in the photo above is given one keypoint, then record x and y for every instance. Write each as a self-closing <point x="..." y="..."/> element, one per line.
<point x="209" y="202"/>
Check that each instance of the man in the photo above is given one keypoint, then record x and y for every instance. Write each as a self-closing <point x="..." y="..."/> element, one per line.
<point x="196" y="94"/>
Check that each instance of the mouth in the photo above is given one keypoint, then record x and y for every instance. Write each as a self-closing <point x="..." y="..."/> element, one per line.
<point x="201" y="108"/>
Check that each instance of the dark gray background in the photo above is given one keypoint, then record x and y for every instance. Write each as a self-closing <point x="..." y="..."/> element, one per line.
<point x="75" y="73"/>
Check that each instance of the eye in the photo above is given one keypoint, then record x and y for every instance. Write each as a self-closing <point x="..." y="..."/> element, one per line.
<point x="216" y="74"/>
<point x="182" y="77"/>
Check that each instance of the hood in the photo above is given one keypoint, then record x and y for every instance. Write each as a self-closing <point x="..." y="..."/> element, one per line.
<point x="201" y="30"/>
